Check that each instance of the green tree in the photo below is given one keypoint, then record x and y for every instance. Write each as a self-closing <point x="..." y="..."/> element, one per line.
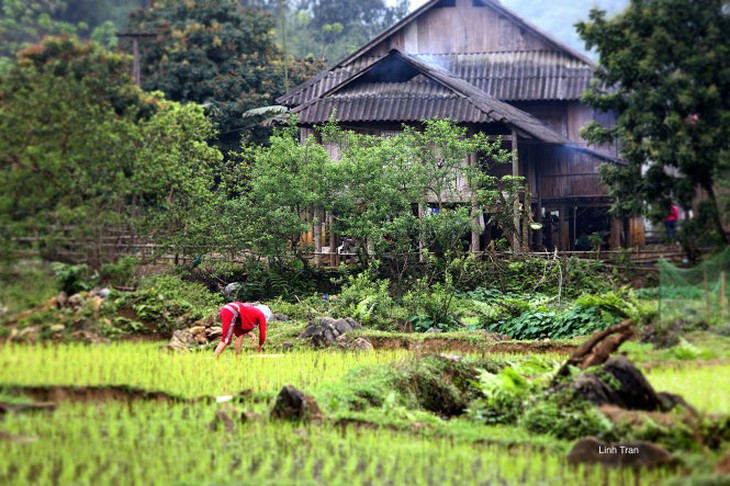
<point x="664" y="71"/>
<point x="84" y="153"/>
<point x="26" y="22"/>
<point x="219" y="54"/>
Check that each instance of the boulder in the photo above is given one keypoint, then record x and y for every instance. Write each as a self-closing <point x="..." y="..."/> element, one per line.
<point x="181" y="340"/>
<point x="213" y="332"/>
<point x="61" y="299"/>
<point x="596" y="390"/>
<point x="618" y="382"/>
<point x="357" y="344"/>
<point x="293" y="405"/>
<point x="75" y="300"/>
<point x="196" y="330"/>
<point x="324" y="331"/>
<point x="201" y="339"/>
<point x="590" y="450"/>
<point x="635" y="390"/>
<point x="248" y="417"/>
<point x="231" y="290"/>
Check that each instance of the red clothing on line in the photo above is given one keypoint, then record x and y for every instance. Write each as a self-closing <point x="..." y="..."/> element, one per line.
<point x="673" y="213"/>
<point x="239" y="318"/>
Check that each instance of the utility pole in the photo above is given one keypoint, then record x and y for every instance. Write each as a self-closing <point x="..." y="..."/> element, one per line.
<point x="135" y="36"/>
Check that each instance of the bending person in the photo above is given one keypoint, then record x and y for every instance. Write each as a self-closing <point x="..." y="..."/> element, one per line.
<point x="241" y="319"/>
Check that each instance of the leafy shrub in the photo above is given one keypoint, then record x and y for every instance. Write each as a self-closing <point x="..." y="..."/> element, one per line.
<point x="590" y="313"/>
<point x="503" y="397"/>
<point x="25" y="284"/>
<point x="565" y="416"/>
<point x="168" y="299"/>
<point x="121" y="273"/>
<point x="431" y="306"/>
<point x="366" y="299"/>
<point x="73" y="279"/>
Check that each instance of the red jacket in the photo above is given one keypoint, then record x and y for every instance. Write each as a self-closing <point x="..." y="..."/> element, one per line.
<point x="246" y="318"/>
<point x="673" y="213"/>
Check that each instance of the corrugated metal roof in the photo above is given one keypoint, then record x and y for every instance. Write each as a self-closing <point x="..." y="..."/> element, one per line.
<point x="508" y="76"/>
<point x="518" y="76"/>
<point x="433" y="93"/>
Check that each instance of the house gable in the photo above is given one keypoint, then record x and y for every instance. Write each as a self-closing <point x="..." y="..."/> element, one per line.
<point x="462" y="26"/>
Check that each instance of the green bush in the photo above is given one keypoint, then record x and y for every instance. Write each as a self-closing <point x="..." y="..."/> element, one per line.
<point x="503" y="397"/>
<point x="432" y="306"/>
<point x="121" y="273"/>
<point x="73" y="279"/>
<point x="366" y="299"/>
<point x="565" y="415"/>
<point x="168" y="300"/>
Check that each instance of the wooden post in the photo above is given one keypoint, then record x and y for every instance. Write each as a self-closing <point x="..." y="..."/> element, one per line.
<point x="317" y="237"/>
<point x="476" y="228"/>
<point x="564" y="241"/>
<point x="421" y="211"/>
<point x="334" y="260"/>
<point x="614" y="240"/>
<point x="515" y="208"/>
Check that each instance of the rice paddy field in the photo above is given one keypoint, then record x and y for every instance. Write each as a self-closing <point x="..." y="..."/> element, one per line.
<point x="145" y="442"/>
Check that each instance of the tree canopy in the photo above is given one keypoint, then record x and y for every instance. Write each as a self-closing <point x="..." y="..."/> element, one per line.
<point x="218" y="54"/>
<point x="84" y="152"/>
<point x="664" y="71"/>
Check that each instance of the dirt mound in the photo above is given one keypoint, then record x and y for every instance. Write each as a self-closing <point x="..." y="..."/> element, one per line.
<point x="99" y="394"/>
<point x="438" y="344"/>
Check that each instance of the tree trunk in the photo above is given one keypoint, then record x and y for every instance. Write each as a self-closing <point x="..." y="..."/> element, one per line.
<point x="716" y="219"/>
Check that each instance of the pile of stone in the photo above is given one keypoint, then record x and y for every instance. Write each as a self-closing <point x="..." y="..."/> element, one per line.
<point x="325" y="332"/>
<point x="93" y="299"/>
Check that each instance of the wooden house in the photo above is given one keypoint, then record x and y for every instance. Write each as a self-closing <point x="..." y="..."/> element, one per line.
<point x="478" y="63"/>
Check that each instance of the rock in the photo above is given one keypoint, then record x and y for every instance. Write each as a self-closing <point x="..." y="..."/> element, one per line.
<point x="96" y="302"/>
<point x="213" y="332"/>
<point x="669" y="401"/>
<point x="292" y="404"/>
<point x="324" y="331"/>
<point x="57" y="328"/>
<point x="248" y="417"/>
<point x="61" y="299"/>
<point x="595" y="390"/>
<point x="362" y="344"/>
<point x="28" y="334"/>
<point x="75" y="300"/>
<point x="434" y="329"/>
<point x="357" y="344"/>
<point x="181" y="340"/>
<point x="286" y="347"/>
<point x="590" y="450"/>
<point x="342" y="326"/>
<point x="89" y="337"/>
<point x="635" y="390"/>
<point x="620" y="383"/>
<point x="196" y="330"/>
<point x="201" y="339"/>
<point x="280" y="317"/>
<point x="231" y="290"/>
